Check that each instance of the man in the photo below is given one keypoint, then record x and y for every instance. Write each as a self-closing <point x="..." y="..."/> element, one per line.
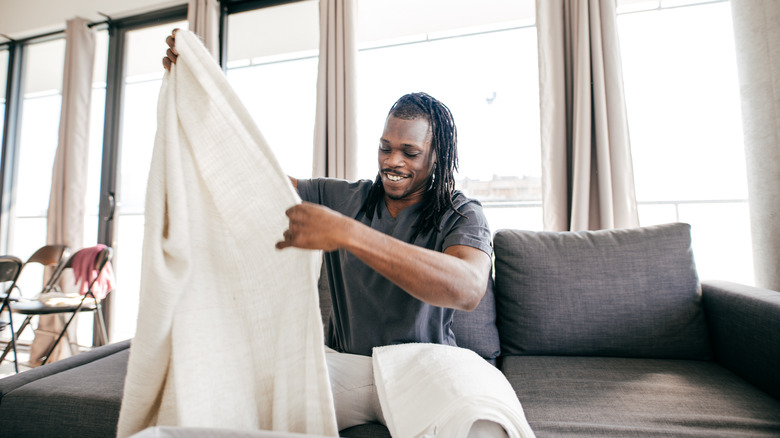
<point x="409" y="245"/>
<point x="402" y="252"/>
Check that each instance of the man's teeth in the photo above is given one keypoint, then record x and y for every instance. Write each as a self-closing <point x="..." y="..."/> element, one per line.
<point x="394" y="177"/>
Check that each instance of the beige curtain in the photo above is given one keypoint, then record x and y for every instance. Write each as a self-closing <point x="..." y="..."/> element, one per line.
<point x="587" y="173"/>
<point x="203" y="18"/>
<point x="67" y="201"/>
<point x="335" y="137"/>
<point x="757" y="39"/>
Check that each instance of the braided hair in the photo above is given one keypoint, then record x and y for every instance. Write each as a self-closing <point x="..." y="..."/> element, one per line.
<point x="444" y="143"/>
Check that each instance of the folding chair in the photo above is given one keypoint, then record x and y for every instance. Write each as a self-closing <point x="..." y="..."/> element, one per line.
<point x="10" y="268"/>
<point x="49" y="256"/>
<point x="88" y="302"/>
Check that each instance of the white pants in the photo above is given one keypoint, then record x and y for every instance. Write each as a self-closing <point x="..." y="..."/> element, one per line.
<point x="356" y="399"/>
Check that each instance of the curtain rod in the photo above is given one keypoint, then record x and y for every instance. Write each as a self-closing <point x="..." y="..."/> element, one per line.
<point x="44" y="36"/>
<point x="107" y="21"/>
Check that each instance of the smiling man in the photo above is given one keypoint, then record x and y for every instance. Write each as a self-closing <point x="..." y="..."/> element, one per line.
<point x="404" y="251"/>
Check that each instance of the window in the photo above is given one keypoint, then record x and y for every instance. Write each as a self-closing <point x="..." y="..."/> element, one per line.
<point x="38" y="137"/>
<point x="272" y="65"/>
<point x="96" y="123"/>
<point x="144" y="49"/>
<point x="3" y="85"/>
<point x="683" y="105"/>
<point x="480" y="60"/>
<point x="43" y="64"/>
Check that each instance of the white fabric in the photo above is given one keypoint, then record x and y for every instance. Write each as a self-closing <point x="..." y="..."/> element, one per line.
<point x="757" y="41"/>
<point x="587" y="170"/>
<point x="229" y="332"/>
<point x="67" y="199"/>
<point x="431" y="390"/>
<point x="335" y="129"/>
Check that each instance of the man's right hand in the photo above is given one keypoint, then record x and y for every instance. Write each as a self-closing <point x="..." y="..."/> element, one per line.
<point x="171" y="54"/>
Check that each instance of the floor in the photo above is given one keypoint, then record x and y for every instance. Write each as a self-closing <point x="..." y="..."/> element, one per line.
<point x="84" y="331"/>
<point x="7" y="367"/>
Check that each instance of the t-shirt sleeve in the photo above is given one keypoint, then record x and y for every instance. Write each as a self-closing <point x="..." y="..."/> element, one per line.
<point x="337" y="194"/>
<point x="307" y="190"/>
<point x="471" y="230"/>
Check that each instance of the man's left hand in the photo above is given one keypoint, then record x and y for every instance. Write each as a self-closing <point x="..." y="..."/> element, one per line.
<point x="313" y="226"/>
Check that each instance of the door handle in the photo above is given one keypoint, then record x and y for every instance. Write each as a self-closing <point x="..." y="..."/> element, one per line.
<point x="111" y="207"/>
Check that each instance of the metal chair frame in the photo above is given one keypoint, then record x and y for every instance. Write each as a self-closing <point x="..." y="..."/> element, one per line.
<point x="100" y="262"/>
<point x="10" y="268"/>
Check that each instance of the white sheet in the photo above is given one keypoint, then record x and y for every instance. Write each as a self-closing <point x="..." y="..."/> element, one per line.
<point x="429" y="390"/>
<point x="229" y="332"/>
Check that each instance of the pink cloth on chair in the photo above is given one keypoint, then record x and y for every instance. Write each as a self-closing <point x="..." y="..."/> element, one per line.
<point x="84" y="272"/>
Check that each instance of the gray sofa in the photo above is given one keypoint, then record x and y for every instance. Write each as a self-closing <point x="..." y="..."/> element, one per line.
<point x="604" y="333"/>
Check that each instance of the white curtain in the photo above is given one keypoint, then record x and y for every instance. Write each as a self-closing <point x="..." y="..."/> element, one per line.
<point x="203" y="18"/>
<point x="67" y="201"/>
<point x="587" y="171"/>
<point x="757" y="39"/>
<point x="335" y="138"/>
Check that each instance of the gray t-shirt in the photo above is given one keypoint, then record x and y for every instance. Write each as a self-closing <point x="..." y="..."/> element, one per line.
<point x="369" y="310"/>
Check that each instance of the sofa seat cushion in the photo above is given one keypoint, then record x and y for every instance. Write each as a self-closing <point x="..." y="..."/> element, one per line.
<point x="590" y="396"/>
<point x="72" y="397"/>
<point x="622" y="293"/>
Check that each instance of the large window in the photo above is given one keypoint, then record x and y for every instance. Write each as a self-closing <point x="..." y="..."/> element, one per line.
<point x="144" y="49"/>
<point x="42" y="69"/>
<point x="38" y="139"/>
<point x="3" y="78"/>
<point x="683" y="105"/>
<point x="479" y="58"/>
<point x="96" y="123"/>
<point x="272" y="64"/>
<point x="38" y="136"/>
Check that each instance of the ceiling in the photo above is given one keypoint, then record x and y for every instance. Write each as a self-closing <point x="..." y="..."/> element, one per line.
<point x="23" y="19"/>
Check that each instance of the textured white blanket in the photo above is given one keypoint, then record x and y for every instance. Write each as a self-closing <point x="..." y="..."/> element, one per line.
<point x="429" y="390"/>
<point x="229" y="332"/>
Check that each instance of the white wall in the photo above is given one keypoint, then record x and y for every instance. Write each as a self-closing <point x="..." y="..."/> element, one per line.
<point x="25" y="18"/>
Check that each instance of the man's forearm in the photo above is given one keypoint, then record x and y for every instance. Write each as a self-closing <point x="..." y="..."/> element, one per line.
<point x="456" y="278"/>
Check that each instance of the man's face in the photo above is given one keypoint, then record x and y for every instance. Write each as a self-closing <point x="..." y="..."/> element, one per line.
<point x="405" y="158"/>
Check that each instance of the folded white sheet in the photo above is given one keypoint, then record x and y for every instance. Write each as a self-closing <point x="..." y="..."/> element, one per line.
<point x="429" y="390"/>
<point x="229" y="332"/>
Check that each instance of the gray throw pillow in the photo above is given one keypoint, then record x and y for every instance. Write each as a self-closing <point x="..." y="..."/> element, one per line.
<point x="476" y="330"/>
<point x="625" y="292"/>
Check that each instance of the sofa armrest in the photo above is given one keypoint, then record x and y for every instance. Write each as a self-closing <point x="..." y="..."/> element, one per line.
<point x="744" y="325"/>
<point x="15" y="381"/>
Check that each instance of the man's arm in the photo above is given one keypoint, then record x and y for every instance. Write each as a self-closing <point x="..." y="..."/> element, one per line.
<point x="294" y="182"/>
<point x="456" y="278"/>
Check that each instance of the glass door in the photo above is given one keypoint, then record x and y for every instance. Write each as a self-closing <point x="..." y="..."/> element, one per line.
<point x="143" y="51"/>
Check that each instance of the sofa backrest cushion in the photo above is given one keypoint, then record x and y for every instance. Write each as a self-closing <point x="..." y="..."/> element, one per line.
<point x="624" y="292"/>
<point x="476" y="330"/>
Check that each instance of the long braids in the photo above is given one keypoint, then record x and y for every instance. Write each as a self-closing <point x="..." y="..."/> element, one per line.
<point x="444" y="143"/>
